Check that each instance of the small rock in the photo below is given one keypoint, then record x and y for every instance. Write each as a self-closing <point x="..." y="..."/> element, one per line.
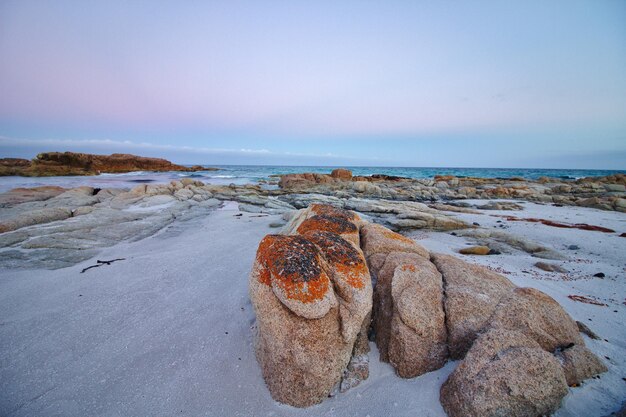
<point x="341" y="174"/>
<point x="550" y="267"/>
<point x="276" y="224"/>
<point x="494" y="252"/>
<point x="583" y="328"/>
<point x="599" y="275"/>
<point x="475" y="250"/>
<point x="573" y="247"/>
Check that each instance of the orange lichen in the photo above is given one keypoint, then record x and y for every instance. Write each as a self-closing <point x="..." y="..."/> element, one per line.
<point x="292" y="264"/>
<point x="409" y="267"/>
<point x="344" y="258"/>
<point x="396" y="236"/>
<point x="353" y="275"/>
<point x="328" y="210"/>
<point x="326" y="223"/>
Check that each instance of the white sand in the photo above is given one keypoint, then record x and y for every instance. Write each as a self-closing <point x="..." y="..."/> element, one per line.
<point x="168" y="330"/>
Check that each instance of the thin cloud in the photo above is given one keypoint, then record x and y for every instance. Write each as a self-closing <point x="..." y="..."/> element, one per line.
<point x="116" y="145"/>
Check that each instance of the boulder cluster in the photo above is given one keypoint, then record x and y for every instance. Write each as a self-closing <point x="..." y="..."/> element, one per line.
<point x="330" y="278"/>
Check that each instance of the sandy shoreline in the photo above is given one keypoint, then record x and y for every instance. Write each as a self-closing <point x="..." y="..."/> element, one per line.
<point x="168" y="330"/>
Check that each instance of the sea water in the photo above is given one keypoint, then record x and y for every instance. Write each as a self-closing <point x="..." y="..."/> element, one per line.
<point x="253" y="174"/>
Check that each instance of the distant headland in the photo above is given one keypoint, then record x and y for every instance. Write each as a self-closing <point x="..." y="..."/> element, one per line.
<point x="70" y="163"/>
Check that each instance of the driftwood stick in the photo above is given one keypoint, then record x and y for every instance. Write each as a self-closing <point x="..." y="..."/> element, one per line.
<point x="100" y="263"/>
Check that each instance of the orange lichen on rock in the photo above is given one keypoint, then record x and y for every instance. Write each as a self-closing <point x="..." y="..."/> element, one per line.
<point x="397" y="236"/>
<point x="342" y="256"/>
<point x="332" y="211"/>
<point x="327" y="223"/>
<point x="292" y="264"/>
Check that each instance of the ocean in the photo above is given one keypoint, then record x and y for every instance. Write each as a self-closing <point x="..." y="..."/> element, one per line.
<point x="252" y="174"/>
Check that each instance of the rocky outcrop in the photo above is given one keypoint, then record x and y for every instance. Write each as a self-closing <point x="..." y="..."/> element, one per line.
<point x="33" y="217"/>
<point x="312" y="295"/>
<point x="605" y="193"/>
<point x="53" y="227"/>
<point x="71" y="163"/>
<point x="426" y="309"/>
<point x="26" y="195"/>
<point x="311" y="288"/>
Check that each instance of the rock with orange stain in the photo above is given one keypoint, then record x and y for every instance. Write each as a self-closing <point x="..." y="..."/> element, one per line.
<point x="328" y="210"/>
<point x="312" y="296"/>
<point x="350" y="278"/>
<point x="324" y="217"/>
<point x="341" y="174"/>
<point x="292" y="267"/>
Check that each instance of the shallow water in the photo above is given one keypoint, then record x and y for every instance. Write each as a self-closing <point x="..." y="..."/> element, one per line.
<point x="252" y="174"/>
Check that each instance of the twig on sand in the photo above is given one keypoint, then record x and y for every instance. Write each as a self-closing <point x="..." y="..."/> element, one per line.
<point x="100" y="263"/>
<point x="586" y="300"/>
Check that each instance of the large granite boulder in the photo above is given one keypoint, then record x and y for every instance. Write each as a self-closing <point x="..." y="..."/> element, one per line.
<point x="538" y="316"/>
<point x="377" y="239"/>
<point x="312" y="295"/>
<point x="417" y="337"/>
<point x="408" y="316"/>
<point x="383" y="310"/>
<point x="505" y="373"/>
<point x="298" y="343"/>
<point x="472" y="295"/>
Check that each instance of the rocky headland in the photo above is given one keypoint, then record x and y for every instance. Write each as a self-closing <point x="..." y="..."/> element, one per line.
<point x="70" y="163"/>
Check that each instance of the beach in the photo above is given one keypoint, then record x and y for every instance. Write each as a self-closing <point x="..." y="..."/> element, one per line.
<point x="168" y="329"/>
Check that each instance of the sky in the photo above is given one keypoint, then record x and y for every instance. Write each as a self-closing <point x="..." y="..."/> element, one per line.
<point x="535" y="84"/>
